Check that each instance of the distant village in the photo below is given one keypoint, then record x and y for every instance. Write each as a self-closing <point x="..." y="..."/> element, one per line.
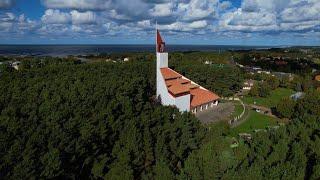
<point x="280" y="66"/>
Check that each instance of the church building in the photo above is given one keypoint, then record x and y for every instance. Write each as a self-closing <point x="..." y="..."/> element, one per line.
<point x="173" y="89"/>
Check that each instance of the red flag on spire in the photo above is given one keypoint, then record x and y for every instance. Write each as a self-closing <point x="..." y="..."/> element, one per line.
<point x="160" y="43"/>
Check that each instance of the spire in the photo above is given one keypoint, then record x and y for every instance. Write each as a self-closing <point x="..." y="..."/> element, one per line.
<point x="160" y="43"/>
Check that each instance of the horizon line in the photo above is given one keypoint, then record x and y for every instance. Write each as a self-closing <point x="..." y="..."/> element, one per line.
<point x="131" y="44"/>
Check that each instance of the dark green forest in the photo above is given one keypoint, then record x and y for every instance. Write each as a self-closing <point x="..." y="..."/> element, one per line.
<point x="220" y="77"/>
<point x="286" y="152"/>
<point x="94" y="120"/>
<point x="64" y="120"/>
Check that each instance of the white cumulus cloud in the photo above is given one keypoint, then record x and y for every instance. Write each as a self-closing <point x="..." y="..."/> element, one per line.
<point x="225" y="5"/>
<point x="198" y="24"/>
<point x="248" y="21"/>
<point x="6" y="4"/>
<point x="198" y="9"/>
<point x="56" y="17"/>
<point x="137" y="18"/>
<point x="306" y="12"/>
<point x="162" y="10"/>
<point x="77" y="4"/>
<point x="87" y="17"/>
<point x="75" y="17"/>
<point x="13" y="24"/>
<point x="272" y="15"/>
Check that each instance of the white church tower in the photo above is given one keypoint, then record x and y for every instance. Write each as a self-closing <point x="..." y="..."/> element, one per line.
<point x="173" y="89"/>
<point x="162" y="62"/>
<point x="164" y="73"/>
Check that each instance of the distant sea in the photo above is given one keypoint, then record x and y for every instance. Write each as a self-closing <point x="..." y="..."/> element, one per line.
<point x="65" y="50"/>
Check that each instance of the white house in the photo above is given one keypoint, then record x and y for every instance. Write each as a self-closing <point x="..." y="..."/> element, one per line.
<point x="173" y="89"/>
<point x="16" y="65"/>
<point x="247" y="85"/>
<point x="207" y="62"/>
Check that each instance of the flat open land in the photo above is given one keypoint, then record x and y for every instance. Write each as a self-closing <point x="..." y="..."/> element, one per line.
<point x="255" y="121"/>
<point x="272" y="100"/>
<point x="215" y="114"/>
<point x="238" y="109"/>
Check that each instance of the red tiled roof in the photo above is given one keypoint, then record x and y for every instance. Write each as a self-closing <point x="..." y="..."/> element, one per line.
<point x="177" y="89"/>
<point x="202" y="96"/>
<point x="177" y="81"/>
<point x="179" y="86"/>
<point x="168" y="73"/>
<point x="193" y="86"/>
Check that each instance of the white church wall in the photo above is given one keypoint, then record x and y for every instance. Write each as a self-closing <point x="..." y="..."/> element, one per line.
<point x="166" y="98"/>
<point x="159" y="86"/>
<point x="183" y="102"/>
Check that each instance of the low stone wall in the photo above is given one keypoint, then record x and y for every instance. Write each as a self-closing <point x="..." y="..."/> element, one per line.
<point x="244" y="110"/>
<point x="235" y="120"/>
<point x="231" y="98"/>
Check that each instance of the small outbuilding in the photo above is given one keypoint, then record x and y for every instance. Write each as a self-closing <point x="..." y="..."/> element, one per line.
<point x="16" y="65"/>
<point x="248" y="84"/>
<point x="297" y="95"/>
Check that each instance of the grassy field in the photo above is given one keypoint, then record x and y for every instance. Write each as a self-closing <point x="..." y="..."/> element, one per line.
<point x="317" y="61"/>
<point x="254" y="121"/>
<point x="237" y="109"/>
<point x="272" y="100"/>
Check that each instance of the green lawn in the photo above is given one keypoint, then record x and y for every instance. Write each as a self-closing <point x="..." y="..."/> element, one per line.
<point x="255" y="121"/>
<point x="272" y="100"/>
<point x="317" y="61"/>
<point x="237" y="109"/>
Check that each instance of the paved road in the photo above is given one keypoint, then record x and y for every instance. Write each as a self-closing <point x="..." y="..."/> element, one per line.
<point x="263" y="110"/>
<point x="219" y="113"/>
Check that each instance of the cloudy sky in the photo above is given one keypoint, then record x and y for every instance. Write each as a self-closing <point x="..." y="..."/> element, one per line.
<point x="218" y="22"/>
